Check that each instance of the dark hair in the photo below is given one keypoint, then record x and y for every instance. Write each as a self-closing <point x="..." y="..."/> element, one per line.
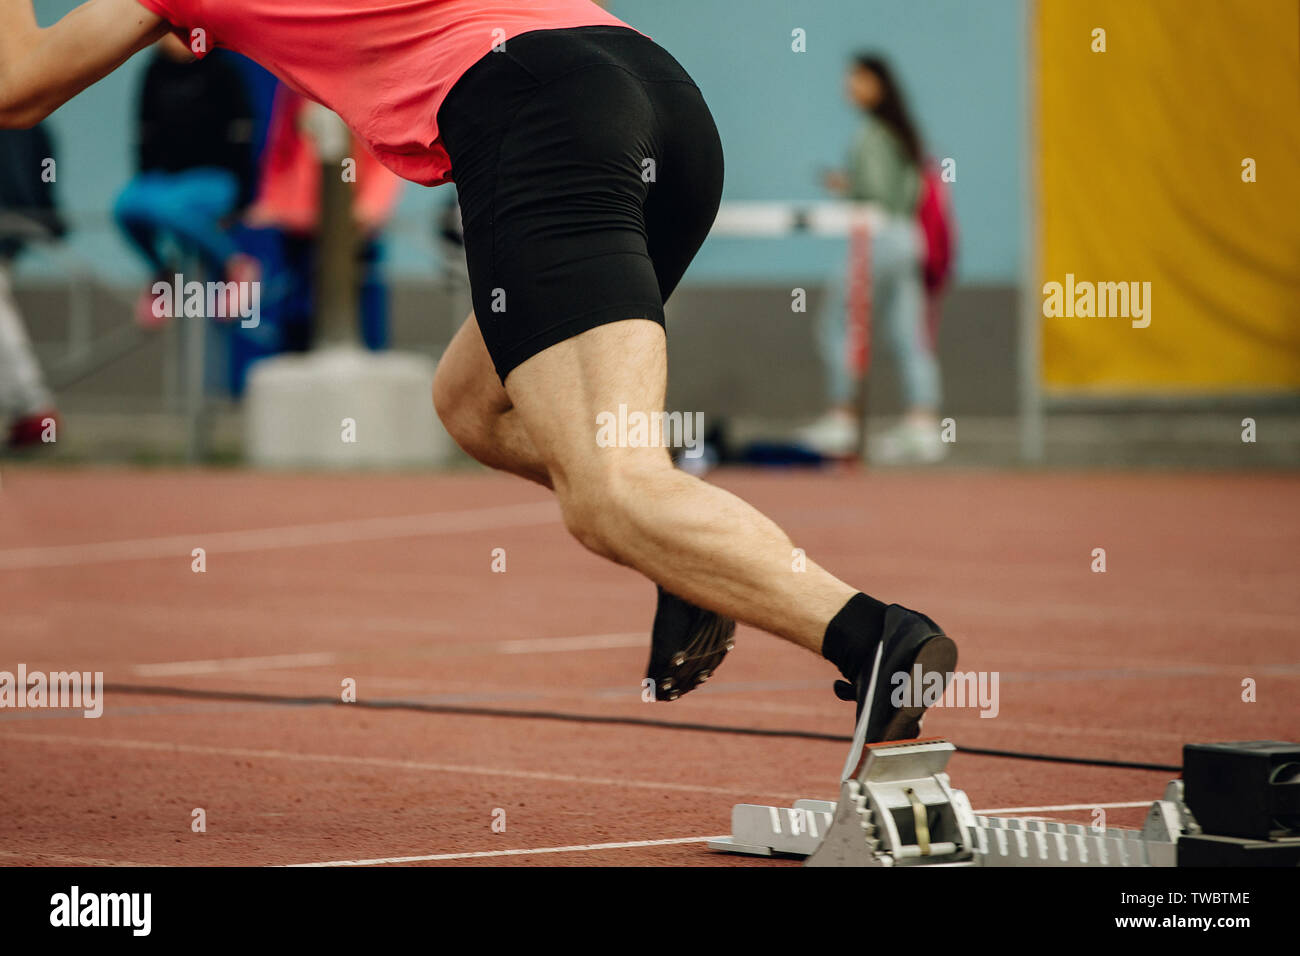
<point x="892" y="108"/>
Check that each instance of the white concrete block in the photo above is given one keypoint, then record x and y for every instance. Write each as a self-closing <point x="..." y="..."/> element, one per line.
<point x="343" y="407"/>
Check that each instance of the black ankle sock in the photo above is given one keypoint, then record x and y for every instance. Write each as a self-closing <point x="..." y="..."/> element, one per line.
<point x="853" y="633"/>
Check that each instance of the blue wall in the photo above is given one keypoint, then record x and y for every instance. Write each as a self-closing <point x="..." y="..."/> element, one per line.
<point x="781" y="114"/>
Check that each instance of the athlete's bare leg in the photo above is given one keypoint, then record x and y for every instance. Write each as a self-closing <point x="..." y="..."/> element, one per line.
<point x="632" y="506"/>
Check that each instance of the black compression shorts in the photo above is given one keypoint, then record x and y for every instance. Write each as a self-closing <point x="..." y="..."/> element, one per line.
<point x="589" y="171"/>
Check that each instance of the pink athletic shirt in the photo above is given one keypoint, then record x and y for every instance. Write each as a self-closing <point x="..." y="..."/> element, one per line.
<point x="385" y="66"/>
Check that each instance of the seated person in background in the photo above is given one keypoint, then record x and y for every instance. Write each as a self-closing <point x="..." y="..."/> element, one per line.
<point x="195" y="169"/>
<point x="27" y="212"/>
<point x="289" y="200"/>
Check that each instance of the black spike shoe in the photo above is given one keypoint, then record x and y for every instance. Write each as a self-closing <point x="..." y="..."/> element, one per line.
<point x="686" y="646"/>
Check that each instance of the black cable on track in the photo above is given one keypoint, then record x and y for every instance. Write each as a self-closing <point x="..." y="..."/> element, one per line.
<point x="1078" y="761"/>
<point x="464" y="711"/>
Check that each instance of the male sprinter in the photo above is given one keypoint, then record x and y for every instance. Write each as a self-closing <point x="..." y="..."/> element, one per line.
<point x="546" y="114"/>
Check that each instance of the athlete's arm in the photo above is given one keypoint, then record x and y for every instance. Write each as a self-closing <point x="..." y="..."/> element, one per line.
<point x="41" y="69"/>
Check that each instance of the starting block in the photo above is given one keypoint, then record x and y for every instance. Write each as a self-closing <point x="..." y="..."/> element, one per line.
<point x="897" y="807"/>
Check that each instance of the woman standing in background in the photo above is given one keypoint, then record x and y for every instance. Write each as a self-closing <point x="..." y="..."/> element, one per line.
<point x="884" y="168"/>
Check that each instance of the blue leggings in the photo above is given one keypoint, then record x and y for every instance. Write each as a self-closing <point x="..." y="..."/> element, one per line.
<point x="897" y="319"/>
<point x="183" y="210"/>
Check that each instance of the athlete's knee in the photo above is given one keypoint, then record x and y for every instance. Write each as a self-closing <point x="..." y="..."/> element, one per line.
<point x="586" y="518"/>
<point x="601" y="507"/>
<point x="453" y="398"/>
<point x="473" y="419"/>
<point x="467" y="425"/>
<point x="446" y="402"/>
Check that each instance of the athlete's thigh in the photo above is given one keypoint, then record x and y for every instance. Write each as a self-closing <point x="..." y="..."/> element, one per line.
<point x="560" y="392"/>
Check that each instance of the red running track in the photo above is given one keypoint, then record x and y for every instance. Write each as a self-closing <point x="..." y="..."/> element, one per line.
<point x="388" y="581"/>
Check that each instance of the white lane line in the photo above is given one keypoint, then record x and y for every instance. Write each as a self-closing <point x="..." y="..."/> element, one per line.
<point x="484" y="854"/>
<point x="539" y="645"/>
<point x="56" y="859"/>
<point x="586" y="642"/>
<point x="287" y="536"/>
<point x="1063" y="807"/>
<point x="594" y="847"/>
<point x="226" y="665"/>
<point x="222" y="665"/>
<point x="387" y="763"/>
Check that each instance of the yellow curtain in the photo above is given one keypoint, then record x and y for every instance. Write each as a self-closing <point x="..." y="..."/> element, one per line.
<point x="1141" y="152"/>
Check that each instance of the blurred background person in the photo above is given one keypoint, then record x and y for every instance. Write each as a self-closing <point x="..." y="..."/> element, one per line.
<point x="289" y="201"/>
<point x="27" y="212"/>
<point x="885" y="167"/>
<point x="195" y="169"/>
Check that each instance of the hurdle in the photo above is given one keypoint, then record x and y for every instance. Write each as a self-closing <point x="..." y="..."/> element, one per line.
<point x="897" y="807"/>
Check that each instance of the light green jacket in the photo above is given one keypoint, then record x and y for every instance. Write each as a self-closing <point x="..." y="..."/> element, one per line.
<point x="880" y="170"/>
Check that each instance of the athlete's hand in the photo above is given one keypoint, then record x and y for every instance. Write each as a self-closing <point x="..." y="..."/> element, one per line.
<point x="835" y="181"/>
<point x="41" y="69"/>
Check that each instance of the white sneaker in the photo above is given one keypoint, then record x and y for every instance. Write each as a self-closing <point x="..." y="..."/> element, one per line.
<point x="908" y="443"/>
<point x="929" y="447"/>
<point x="835" y="434"/>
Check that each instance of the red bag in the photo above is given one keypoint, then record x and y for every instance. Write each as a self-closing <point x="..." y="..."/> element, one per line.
<point x="939" y="228"/>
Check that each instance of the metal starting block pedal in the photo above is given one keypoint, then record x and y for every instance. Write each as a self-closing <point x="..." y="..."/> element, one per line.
<point x="896" y="808"/>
